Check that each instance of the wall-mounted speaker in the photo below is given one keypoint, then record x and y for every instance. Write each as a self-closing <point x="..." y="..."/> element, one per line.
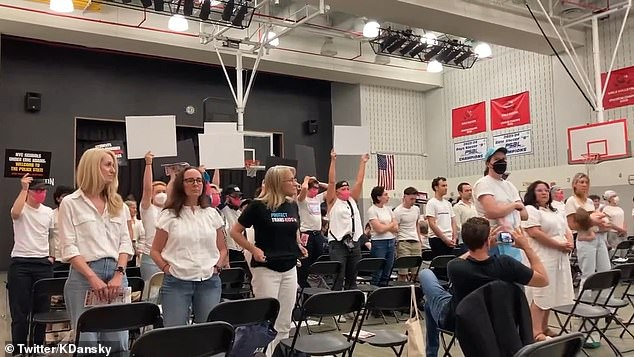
<point x="33" y="102"/>
<point x="311" y="126"/>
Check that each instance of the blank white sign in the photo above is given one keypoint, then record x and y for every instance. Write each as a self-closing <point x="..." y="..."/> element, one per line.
<point x="221" y="150"/>
<point x="220" y="127"/>
<point x="352" y="140"/>
<point x="151" y="133"/>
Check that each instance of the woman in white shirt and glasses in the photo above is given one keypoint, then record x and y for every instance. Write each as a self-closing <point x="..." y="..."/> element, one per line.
<point x="95" y="240"/>
<point x="189" y="247"/>
<point x="275" y="219"/>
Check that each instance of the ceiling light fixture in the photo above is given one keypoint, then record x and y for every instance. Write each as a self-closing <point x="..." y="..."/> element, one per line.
<point x="188" y="7"/>
<point x="178" y="23"/>
<point x="328" y="48"/>
<point x="483" y="50"/>
<point x="62" y="6"/>
<point x="434" y="67"/>
<point x="371" y="29"/>
<point x="429" y="38"/>
<point x="146" y="3"/>
<point x="228" y="10"/>
<point x="240" y="14"/>
<point x="205" y="10"/>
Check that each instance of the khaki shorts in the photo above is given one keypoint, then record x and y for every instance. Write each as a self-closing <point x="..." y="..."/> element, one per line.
<point x="407" y="249"/>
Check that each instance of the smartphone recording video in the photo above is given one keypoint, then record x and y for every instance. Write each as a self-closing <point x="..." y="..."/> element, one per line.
<point x="505" y="238"/>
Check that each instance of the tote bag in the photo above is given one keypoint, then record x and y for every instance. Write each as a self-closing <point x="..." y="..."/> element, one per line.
<point x="415" y="337"/>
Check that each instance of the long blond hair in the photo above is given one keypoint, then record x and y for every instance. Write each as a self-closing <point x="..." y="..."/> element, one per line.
<point x="91" y="182"/>
<point x="273" y="196"/>
<point x="578" y="176"/>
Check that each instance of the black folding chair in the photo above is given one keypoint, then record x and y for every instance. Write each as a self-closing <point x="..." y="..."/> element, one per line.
<point x="45" y="289"/>
<point x="624" y="245"/>
<point x="591" y="312"/>
<point x="323" y="258"/>
<point x="137" y="285"/>
<point x="365" y="269"/>
<point x="245" y="266"/>
<point x="439" y="267"/>
<point x="387" y="299"/>
<point x="327" y="304"/>
<point x="133" y="272"/>
<point x="61" y="267"/>
<point x="324" y="270"/>
<point x="118" y="317"/>
<point x="411" y="262"/>
<point x="561" y="346"/>
<point x="60" y="273"/>
<point x="246" y="312"/>
<point x="233" y="284"/>
<point x="206" y="339"/>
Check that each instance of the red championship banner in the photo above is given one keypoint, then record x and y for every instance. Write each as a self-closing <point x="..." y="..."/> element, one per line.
<point x="467" y="120"/>
<point x="510" y="111"/>
<point x="620" y="91"/>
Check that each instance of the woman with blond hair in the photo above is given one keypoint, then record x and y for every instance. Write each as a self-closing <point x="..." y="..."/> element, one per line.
<point x="189" y="247"/>
<point x="95" y="240"/>
<point x="592" y="250"/>
<point x="275" y="219"/>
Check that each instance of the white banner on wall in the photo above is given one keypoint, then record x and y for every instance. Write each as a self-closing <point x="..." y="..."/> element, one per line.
<point x="470" y="150"/>
<point x="516" y="143"/>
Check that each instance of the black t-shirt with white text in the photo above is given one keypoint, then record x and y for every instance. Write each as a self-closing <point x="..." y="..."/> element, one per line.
<point x="467" y="275"/>
<point x="275" y="233"/>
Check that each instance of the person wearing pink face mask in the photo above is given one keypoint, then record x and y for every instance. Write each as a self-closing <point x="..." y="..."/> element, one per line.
<point x="309" y="201"/>
<point x="345" y="223"/>
<point x="230" y="212"/>
<point x="30" y="260"/>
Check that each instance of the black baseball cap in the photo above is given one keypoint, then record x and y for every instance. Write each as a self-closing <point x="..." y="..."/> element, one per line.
<point x="341" y="184"/>
<point x="231" y="189"/>
<point x="39" y="184"/>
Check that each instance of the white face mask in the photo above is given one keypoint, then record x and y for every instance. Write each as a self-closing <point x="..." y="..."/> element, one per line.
<point x="616" y="200"/>
<point x="160" y="198"/>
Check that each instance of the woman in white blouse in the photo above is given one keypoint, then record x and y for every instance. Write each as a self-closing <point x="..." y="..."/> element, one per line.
<point x="384" y="230"/>
<point x="552" y="241"/>
<point x="189" y="247"/>
<point x="95" y="240"/>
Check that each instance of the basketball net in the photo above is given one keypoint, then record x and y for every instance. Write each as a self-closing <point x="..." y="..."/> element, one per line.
<point x="590" y="160"/>
<point x="252" y="167"/>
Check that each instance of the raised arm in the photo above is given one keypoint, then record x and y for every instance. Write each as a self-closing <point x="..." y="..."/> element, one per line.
<point x="331" y="193"/>
<point x="304" y="189"/>
<point x="357" y="188"/>
<point x="148" y="177"/>
<point x="20" y="201"/>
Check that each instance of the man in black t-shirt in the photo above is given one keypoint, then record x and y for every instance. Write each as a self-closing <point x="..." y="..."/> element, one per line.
<point x="471" y="271"/>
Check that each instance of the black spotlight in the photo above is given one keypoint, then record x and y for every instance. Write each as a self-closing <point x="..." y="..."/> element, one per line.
<point x="228" y="10"/>
<point x="126" y="1"/>
<point x="408" y="47"/>
<point x="434" y="51"/>
<point x="240" y="14"/>
<point x="188" y="7"/>
<point x="159" y="5"/>
<point x="146" y="3"/>
<point x="396" y="44"/>
<point x="205" y="10"/>
<point x="462" y="57"/>
<point x="452" y="55"/>
<point x="418" y="49"/>
<point x="389" y="41"/>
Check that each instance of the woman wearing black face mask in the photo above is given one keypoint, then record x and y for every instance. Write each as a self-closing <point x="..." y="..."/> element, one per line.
<point x="498" y="199"/>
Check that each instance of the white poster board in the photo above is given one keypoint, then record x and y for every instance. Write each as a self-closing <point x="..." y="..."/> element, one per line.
<point x="516" y="143"/>
<point x="352" y="140"/>
<point x="220" y="127"/>
<point x="221" y="150"/>
<point x="151" y="133"/>
<point x="470" y="150"/>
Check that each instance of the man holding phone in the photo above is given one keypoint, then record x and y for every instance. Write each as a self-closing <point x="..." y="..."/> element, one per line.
<point x="472" y="270"/>
<point x="498" y="200"/>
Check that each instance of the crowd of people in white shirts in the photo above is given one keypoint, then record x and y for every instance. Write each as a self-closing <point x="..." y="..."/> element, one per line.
<point x="189" y="229"/>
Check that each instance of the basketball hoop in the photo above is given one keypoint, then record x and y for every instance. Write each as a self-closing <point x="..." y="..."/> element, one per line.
<point x="252" y="167"/>
<point x="590" y="160"/>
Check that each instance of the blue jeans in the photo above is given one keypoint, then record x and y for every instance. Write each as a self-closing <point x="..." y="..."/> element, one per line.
<point x="75" y="294"/>
<point x="437" y="301"/>
<point x="148" y="268"/>
<point x="386" y="249"/>
<point x="177" y="296"/>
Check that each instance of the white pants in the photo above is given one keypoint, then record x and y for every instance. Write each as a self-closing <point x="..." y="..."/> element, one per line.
<point x="593" y="258"/>
<point x="283" y="287"/>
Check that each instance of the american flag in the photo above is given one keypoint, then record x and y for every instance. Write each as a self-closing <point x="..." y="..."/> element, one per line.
<point x="385" y="162"/>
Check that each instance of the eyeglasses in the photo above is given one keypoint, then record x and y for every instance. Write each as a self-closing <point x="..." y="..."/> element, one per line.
<point x="191" y="181"/>
<point x="291" y="180"/>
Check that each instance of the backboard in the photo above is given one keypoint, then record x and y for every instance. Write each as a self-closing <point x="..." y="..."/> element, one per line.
<point x="609" y="140"/>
